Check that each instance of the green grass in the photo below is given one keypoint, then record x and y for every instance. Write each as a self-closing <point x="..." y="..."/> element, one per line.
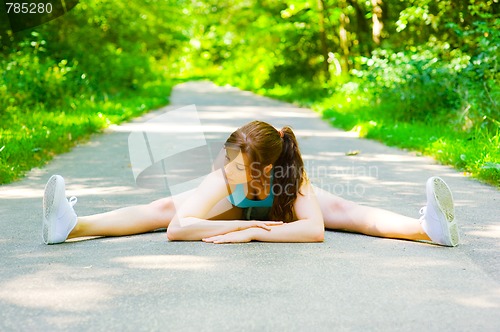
<point x="476" y="152"/>
<point x="31" y="138"/>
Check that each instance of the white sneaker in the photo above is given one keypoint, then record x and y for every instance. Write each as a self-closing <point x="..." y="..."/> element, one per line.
<point x="59" y="218"/>
<point x="438" y="217"/>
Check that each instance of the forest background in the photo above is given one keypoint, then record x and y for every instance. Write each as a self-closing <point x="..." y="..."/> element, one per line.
<point x="418" y="74"/>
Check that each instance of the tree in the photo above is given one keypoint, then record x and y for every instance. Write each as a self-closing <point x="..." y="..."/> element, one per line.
<point x="377" y="22"/>
<point x="323" y="39"/>
<point x="344" y="36"/>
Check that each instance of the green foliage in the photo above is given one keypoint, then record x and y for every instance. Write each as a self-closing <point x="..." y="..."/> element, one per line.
<point x="432" y="85"/>
<point x="257" y="44"/>
<point x="30" y="139"/>
<point x="429" y="81"/>
<point x="102" y="63"/>
<point x="475" y="152"/>
<point x="416" y="85"/>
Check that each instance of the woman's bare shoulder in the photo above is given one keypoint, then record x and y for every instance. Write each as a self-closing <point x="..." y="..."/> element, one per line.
<point x="215" y="182"/>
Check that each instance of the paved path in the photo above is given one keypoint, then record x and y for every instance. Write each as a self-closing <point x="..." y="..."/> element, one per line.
<point x="349" y="282"/>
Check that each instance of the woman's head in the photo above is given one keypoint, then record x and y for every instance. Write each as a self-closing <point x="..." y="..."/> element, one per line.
<point x="257" y="144"/>
<point x="258" y="147"/>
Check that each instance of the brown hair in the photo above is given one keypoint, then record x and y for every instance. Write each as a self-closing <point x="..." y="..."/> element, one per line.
<point x="262" y="145"/>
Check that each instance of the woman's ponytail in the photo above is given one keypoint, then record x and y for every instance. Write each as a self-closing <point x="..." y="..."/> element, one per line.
<point x="263" y="145"/>
<point x="289" y="174"/>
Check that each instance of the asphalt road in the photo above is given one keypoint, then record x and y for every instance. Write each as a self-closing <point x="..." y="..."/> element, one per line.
<point x="348" y="282"/>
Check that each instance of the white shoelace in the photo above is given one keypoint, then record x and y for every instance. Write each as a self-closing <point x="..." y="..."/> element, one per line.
<point x="72" y="201"/>
<point x="422" y="213"/>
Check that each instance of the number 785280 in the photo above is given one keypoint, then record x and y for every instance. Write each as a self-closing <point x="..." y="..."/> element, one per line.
<point x="28" y="8"/>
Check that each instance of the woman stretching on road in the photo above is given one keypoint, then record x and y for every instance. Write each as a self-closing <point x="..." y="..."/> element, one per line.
<point x="262" y="193"/>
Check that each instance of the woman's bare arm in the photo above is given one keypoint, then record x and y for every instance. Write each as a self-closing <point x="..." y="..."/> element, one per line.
<point x="308" y="228"/>
<point x="191" y="223"/>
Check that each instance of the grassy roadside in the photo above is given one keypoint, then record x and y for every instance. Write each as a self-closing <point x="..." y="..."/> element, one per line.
<point x="31" y="139"/>
<point x="475" y="153"/>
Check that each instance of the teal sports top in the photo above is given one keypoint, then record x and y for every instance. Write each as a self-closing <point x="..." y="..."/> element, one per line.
<point x="253" y="209"/>
<point x="239" y="199"/>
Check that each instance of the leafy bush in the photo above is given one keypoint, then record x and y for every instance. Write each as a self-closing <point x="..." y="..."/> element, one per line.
<point x="416" y="85"/>
<point x="74" y="76"/>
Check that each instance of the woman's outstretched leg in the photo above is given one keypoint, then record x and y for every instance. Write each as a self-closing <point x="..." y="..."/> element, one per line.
<point x="126" y="221"/>
<point x="143" y="218"/>
<point x="60" y="221"/>
<point x="437" y="225"/>
<point x="341" y="214"/>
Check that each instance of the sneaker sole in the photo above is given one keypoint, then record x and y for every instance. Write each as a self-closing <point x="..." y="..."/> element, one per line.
<point x="444" y="200"/>
<point x="51" y="194"/>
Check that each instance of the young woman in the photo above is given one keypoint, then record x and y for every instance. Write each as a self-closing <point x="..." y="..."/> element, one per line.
<point x="261" y="193"/>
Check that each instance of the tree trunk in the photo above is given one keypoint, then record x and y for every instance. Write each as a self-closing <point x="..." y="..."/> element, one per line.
<point x="377" y="23"/>
<point x="364" y="32"/>
<point x="322" y="37"/>
<point x="343" y="36"/>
